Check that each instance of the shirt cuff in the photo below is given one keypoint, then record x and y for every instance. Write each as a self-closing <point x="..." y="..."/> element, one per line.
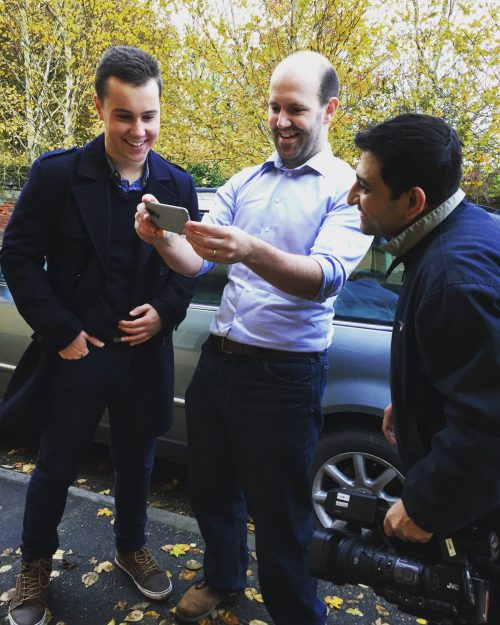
<point x="333" y="277"/>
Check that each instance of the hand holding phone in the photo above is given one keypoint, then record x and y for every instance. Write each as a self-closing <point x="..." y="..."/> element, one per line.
<point x="167" y="216"/>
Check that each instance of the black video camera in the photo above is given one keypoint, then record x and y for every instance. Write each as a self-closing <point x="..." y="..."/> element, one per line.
<point x="445" y="581"/>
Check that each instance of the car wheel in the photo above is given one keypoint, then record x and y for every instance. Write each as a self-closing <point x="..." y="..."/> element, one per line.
<point x="354" y="459"/>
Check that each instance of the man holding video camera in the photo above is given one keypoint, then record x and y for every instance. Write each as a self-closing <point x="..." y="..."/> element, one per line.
<point x="445" y="365"/>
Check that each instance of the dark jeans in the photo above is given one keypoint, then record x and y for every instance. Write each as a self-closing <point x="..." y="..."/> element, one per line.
<point x="253" y="425"/>
<point x="80" y="391"/>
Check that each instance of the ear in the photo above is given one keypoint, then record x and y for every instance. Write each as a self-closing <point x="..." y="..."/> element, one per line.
<point x="417" y="202"/>
<point x="330" y="108"/>
<point x="98" y="106"/>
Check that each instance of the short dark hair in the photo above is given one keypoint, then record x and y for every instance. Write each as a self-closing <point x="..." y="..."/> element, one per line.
<point x="416" y="150"/>
<point x="130" y="65"/>
<point x="329" y="85"/>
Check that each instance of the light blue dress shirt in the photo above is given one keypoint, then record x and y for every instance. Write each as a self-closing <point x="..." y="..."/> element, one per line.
<point x="301" y="211"/>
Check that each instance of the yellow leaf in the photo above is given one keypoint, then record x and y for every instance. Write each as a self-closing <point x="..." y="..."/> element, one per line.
<point x="112" y="622"/>
<point x="187" y="575"/>
<point x="104" y="512"/>
<point x="5" y="568"/>
<point x="354" y="612"/>
<point x="381" y="610"/>
<point x="7" y="595"/>
<point x="152" y="614"/>
<point x="107" y="491"/>
<point x="58" y="555"/>
<point x="179" y="550"/>
<point x="134" y="617"/>
<point x="194" y="565"/>
<point x="90" y="578"/>
<point x="421" y="621"/>
<point x="28" y="468"/>
<point x="107" y="567"/>
<point x="256" y="622"/>
<point x="334" y="602"/>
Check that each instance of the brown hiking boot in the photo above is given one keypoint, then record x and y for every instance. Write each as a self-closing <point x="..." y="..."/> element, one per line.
<point x="27" y="606"/>
<point x="197" y="602"/>
<point x="149" y="578"/>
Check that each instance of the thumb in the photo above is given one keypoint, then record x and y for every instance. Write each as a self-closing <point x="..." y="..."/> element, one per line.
<point x="139" y="310"/>
<point x="93" y="340"/>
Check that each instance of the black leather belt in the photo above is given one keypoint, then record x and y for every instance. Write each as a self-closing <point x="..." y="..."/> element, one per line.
<point x="233" y="347"/>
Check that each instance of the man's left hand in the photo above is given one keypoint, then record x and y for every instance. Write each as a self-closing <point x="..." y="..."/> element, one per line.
<point x="219" y="244"/>
<point x="143" y="328"/>
<point x="397" y="523"/>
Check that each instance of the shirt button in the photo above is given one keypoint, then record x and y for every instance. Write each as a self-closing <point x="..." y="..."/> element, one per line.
<point x="289" y="175"/>
<point x="277" y="200"/>
<point x="267" y="228"/>
<point x="239" y="319"/>
<point x="249" y="289"/>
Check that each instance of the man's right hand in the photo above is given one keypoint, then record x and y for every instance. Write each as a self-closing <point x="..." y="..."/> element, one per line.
<point x="388" y="425"/>
<point x="78" y="347"/>
<point x="145" y="228"/>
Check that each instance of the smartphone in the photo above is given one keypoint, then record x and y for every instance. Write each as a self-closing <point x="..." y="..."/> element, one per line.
<point x="167" y="216"/>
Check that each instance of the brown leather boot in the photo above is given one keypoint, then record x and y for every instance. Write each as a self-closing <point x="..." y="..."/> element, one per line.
<point x="27" y="606"/>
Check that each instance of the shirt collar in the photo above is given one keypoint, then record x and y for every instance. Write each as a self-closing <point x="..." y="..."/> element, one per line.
<point x="124" y="185"/>
<point x="318" y="163"/>
<point x="422" y="227"/>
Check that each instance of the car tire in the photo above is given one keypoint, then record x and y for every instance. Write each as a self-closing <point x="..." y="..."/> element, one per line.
<point x="360" y="459"/>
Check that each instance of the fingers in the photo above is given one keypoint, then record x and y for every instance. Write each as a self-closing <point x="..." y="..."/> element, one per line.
<point x="93" y="340"/>
<point x="388" y="425"/>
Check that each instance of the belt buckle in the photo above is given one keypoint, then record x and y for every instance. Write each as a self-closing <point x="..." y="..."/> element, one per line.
<point x="224" y="349"/>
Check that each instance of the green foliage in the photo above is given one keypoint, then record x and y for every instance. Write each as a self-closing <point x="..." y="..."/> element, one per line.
<point x="206" y="175"/>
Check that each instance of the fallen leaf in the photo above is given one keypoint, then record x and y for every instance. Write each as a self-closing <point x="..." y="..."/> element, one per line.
<point x="121" y="604"/>
<point x="187" y="576"/>
<point x="381" y="610"/>
<point x="5" y="568"/>
<point x="140" y="606"/>
<point x="13" y="452"/>
<point x="81" y="481"/>
<point x="152" y="614"/>
<point x="7" y="595"/>
<point x="93" y="560"/>
<point x="107" y="491"/>
<point x="422" y="621"/>
<point x="179" y="550"/>
<point x="228" y="618"/>
<point x="106" y="566"/>
<point x="253" y="595"/>
<point x="354" y="611"/>
<point x="28" y="468"/>
<point x="334" y="602"/>
<point x="90" y="578"/>
<point x="112" y="622"/>
<point x="8" y="466"/>
<point x="58" y="554"/>
<point x="134" y="617"/>
<point x="7" y="552"/>
<point x="54" y="574"/>
<point x="104" y="512"/>
<point x="257" y="622"/>
<point x="251" y="528"/>
<point x="166" y="548"/>
<point x="194" y="565"/>
<point x="254" y="555"/>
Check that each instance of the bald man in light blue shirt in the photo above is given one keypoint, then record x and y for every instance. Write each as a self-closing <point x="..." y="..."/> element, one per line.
<point x="254" y="405"/>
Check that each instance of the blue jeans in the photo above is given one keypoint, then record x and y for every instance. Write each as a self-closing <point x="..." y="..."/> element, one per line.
<point x="80" y="391"/>
<point x="253" y="425"/>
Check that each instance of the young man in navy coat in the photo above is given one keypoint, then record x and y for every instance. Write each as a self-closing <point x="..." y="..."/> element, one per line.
<point x="102" y="305"/>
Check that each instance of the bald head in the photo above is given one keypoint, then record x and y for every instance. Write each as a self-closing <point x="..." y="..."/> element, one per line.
<point x="312" y="68"/>
<point x="301" y="106"/>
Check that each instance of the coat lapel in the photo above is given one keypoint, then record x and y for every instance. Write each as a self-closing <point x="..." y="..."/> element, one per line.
<point x="92" y="198"/>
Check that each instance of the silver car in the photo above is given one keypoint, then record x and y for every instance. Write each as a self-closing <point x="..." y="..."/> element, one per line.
<point x="352" y="450"/>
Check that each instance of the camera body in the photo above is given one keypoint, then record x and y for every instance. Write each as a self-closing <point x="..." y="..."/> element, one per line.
<point x="445" y="581"/>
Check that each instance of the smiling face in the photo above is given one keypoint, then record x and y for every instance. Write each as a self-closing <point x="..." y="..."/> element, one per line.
<point x="379" y="213"/>
<point x="298" y="122"/>
<point x="131" y="116"/>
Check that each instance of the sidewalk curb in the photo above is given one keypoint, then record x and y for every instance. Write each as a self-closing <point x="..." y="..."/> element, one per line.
<point x="179" y="521"/>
